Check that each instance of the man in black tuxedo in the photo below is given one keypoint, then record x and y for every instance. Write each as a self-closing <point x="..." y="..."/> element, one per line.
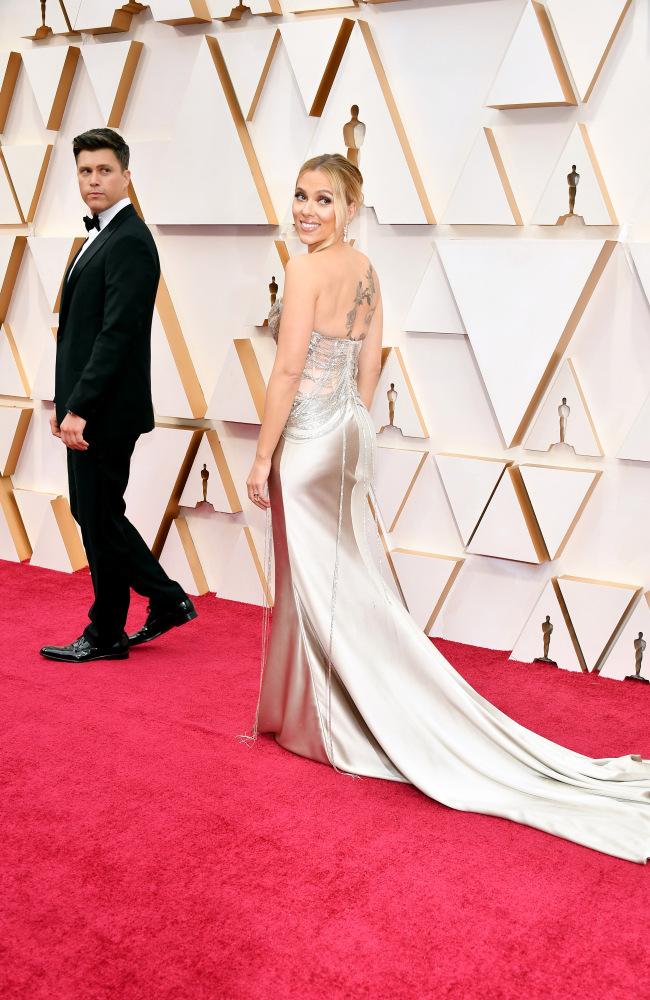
<point x="103" y="402"/>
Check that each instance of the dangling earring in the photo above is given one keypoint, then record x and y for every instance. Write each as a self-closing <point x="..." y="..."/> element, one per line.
<point x="345" y="233"/>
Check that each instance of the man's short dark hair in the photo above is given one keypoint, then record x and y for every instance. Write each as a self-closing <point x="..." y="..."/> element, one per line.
<point x="102" y="138"/>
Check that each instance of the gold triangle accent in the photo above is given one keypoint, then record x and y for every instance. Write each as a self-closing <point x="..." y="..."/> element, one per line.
<point x="126" y="81"/>
<point x="263" y="76"/>
<point x="18" y="440"/>
<point x="180" y="351"/>
<point x="69" y="533"/>
<point x="14" y="195"/>
<point x="332" y="67"/>
<point x="408" y="491"/>
<point x="8" y="86"/>
<point x="173" y="506"/>
<point x="569" y="624"/>
<point x="503" y="176"/>
<point x="259" y="568"/>
<point x="191" y="555"/>
<point x="11" y="340"/>
<point x="242" y="130"/>
<point x="223" y="469"/>
<point x="9" y="508"/>
<point x="606" y="52"/>
<point x="563" y="342"/>
<point x="397" y="121"/>
<point x="64" y="87"/>
<point x="252" y="373"/>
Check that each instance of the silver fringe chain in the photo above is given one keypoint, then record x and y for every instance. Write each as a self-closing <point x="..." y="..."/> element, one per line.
<point x="335" y="579"/>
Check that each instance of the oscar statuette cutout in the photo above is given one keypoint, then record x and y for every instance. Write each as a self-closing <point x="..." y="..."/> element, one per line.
<point x="547" y="629"/>
<point x="639" y="649"/>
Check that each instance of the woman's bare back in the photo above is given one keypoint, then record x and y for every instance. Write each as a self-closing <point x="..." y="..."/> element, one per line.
<point x="348" y="293"/>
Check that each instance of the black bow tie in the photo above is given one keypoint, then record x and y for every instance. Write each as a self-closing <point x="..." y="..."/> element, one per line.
<point x="91" y="223"/>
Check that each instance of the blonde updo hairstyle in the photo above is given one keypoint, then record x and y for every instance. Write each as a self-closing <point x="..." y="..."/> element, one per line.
<point x="347" y="187"/>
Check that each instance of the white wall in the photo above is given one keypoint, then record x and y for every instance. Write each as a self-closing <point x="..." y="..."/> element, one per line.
<point x="478" y="308"/>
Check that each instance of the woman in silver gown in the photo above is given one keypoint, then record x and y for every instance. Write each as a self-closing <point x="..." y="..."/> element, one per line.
<point x="349" y="678"/>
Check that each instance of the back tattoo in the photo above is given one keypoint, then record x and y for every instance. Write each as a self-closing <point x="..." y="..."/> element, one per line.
<point x="362" y="295"/>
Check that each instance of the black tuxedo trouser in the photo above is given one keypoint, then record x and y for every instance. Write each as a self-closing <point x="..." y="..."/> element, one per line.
<point x="117" y="555"/>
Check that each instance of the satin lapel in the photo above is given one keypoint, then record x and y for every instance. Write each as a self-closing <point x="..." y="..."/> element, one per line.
<point x="97" y="244"/>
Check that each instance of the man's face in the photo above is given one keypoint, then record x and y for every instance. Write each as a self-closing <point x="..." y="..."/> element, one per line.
<point x="102" y="182"/>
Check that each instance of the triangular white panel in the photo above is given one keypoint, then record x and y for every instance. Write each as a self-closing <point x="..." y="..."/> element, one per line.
<point x="527" y="77"/>
<point x="408" y="417"/>
<point x="105" y="65"/>
<point x="175" y="561"/>
<point x="433" y="309"/>
<point x="641" y="256"/>
<point x="502" y="531"/>
<point x="621" y="661"/>
<point x="12" y="421"/>
<point x="11" y="378"/>
<point x="9" y="214"/>
<point x="392" y="185"/>
<point x="516" y="298"/>
<point x="50" y="254"/>
<point x="49" y="549"/>
<point x="222" y="165"/>
<point x="156" y="462"/>
<point x="44" y="67"/>
<point x="596" y="608"/>
<point x="169" y="397"/>
<point x="43" y="387"/>
<point x="8" y="549"/>
<point x="637" y="443"/>
<point x="424" y="578"/>
<point x="309" y="45"/>
<point x="14" y="543"/>
<point x="469" y="483"/>
<point x="585" y="29"/>
<point x="246" y="53"/>
<point x="479" y="197"/>
<point x="230" y="557"/>
<point x="592" y="201"/>
<point x="27" y="166"/>
<point x="232" y="399"/>
<point x="395" y="473"/>
<point x="530" y="643"/>
<point x="216" y="493"/>
<point x="241" y="576"/>
<point x="580" y="434"/>
<point x="557" y="497"/>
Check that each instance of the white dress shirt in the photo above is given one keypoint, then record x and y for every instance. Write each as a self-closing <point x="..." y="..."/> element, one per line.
<point x="104" y="219"/>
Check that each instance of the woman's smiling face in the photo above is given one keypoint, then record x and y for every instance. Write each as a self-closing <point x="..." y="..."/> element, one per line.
<point x="313" y="208"/>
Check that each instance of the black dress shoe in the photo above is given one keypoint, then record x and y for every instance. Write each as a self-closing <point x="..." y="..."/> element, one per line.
<point x="159" y="622"/>
<point x="83" y="650"/>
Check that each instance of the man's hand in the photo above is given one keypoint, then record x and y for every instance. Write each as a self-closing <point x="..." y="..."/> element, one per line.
<point x="54" y="425"/>
<point x="72" y="430"/>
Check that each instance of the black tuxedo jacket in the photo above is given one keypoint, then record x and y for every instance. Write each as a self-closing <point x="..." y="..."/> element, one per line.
<point x="103" y="358"/>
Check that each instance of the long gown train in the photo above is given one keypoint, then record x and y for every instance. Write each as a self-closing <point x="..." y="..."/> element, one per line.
<point x="350" y="679"/>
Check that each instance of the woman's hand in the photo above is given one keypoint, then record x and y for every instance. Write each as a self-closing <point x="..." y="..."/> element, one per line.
<point x="257" y="481"/>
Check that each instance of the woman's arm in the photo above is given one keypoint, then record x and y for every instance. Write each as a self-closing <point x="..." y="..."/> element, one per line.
<point x="296" y="327"/>
<point x="370" y="353"/>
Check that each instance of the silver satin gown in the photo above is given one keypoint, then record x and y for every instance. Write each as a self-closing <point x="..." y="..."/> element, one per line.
<point x="351" y="680"/>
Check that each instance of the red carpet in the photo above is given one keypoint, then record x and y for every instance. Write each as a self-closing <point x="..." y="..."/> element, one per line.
<point x="147" y="854"/>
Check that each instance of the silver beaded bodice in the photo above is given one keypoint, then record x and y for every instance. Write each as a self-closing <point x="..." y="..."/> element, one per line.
<point x="328" y="384"/>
